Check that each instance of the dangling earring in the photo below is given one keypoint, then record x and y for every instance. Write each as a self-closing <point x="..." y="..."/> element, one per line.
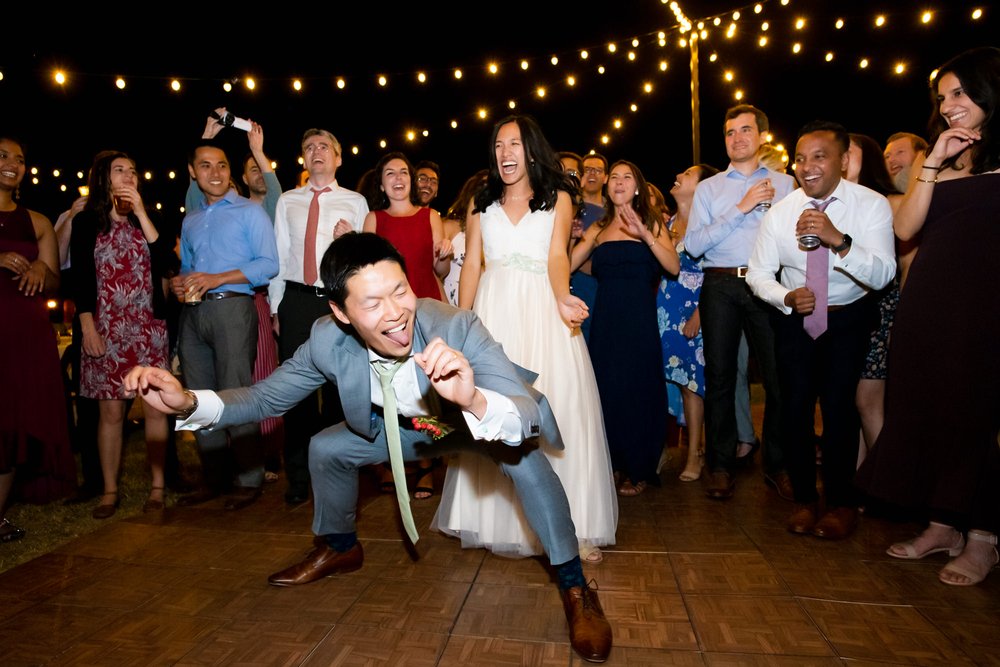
<point x="636" y="193"/>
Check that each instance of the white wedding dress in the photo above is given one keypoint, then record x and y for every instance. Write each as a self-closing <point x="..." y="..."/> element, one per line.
<point x="516" y="303"/>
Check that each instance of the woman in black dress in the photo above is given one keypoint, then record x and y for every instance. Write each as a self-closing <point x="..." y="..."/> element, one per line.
<point x="938" y="448"/>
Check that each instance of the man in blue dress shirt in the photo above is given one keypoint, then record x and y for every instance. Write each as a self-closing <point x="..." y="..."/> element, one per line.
<point x="724" y="220"/>
<point x="227" y="249"/>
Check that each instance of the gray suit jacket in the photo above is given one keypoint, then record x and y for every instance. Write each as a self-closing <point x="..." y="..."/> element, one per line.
<point x="334" y="353"/>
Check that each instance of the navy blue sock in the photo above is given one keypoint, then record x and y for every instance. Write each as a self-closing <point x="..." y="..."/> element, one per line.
<point x="570" y="574"/>
<point x="341" y="542"/>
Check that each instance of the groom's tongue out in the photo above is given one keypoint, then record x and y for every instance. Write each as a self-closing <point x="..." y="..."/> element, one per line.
<point x="399" y="334"/>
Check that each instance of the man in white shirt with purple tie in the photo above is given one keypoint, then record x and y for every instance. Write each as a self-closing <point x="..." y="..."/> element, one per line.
<point x="822" y="339"/>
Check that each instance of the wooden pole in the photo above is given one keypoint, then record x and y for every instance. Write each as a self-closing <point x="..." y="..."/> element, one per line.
<point x="695" y="101"/>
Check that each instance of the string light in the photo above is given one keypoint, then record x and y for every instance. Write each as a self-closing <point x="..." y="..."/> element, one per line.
<point x="618" y="124"/>
<point x="56" y="173"/>
<point x="227" y="86"/>
<point x="800" y="23"/>
<point x="382" y="81"/>
<point x="728" y="76"/>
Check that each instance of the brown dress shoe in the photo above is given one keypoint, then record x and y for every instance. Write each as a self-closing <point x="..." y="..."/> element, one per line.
<point x="782" y="484"/>
<point x="242" y="496"/>
<point x="720" y="485"/>
<point x="321" y="562"/>
<point x="837" y="523"/>
<point x="802" y="519"/>
<point x="589" y="630"/>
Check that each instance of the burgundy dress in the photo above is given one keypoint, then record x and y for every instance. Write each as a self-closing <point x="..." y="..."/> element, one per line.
<point x="34" y="435"/>
<point x="938" y="447"/>
<point x="414" y="240"/>
<point x="124" y="314"/>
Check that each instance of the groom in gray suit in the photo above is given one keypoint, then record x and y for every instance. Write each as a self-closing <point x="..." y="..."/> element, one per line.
<point x="449" y="363"/>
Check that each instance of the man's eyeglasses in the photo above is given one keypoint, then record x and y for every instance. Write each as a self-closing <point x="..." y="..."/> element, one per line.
<point x="424" y="180"/>
<point x="593" y="170"/>
<point x="574" y="173"/>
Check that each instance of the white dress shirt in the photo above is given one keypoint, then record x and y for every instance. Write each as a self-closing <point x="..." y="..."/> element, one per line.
<point x="501" y="421"/>
<point x="290" y="219"/>
<point x="869" y="264"/>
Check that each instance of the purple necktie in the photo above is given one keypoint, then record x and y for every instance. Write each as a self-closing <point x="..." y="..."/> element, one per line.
<point x="818" y="281"/>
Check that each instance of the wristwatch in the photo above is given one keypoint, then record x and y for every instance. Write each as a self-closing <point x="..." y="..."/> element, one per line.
<point x="184" y="414"/>
<point x="844" y="245"/>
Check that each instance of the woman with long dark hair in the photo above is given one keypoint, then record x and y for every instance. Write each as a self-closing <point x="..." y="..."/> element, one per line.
<point x="520" y="225"/>
<point x="630" y="250"/>
<point x="120" y="259"/>
<point x="937" y="451"/>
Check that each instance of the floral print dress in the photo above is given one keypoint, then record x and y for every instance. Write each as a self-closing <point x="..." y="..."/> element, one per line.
<point x="124" y="314"/>
<point x="676" y="300"/>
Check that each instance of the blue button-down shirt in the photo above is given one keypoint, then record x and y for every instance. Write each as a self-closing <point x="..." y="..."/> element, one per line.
<point x="717" y="230"/>
<point x="232" y="233"/>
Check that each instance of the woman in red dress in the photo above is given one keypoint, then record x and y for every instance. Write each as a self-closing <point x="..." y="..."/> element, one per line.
<point x="120" y="259"/>
<point x="34" y="437"/>
<point x="418" y="234"/>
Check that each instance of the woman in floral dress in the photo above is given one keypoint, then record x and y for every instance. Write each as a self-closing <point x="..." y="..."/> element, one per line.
<point x="120" y="259"/>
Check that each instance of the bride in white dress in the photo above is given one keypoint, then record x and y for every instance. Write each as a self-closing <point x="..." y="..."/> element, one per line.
<point x="520" y="223"/>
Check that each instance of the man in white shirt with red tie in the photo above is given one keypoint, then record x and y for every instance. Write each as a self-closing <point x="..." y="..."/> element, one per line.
<point x="307" y="220"/>
<point x="822" y="339"/>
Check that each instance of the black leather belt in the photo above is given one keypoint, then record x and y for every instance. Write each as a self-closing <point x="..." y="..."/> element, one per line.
<point x="738" y="271"/>
<point x="318" y="292"/>
<point x="217" y="296"/>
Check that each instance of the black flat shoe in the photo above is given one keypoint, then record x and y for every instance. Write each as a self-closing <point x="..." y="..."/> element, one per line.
<point x="106" y="510"/>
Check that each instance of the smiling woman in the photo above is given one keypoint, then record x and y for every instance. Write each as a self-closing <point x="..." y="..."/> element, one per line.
<point x="34" y="438"/>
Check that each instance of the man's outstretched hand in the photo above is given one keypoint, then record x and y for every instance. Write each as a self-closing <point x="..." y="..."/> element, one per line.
<point x="159" y="388"/>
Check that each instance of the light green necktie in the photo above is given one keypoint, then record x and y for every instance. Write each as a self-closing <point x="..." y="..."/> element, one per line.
<point x="386" y="370"/>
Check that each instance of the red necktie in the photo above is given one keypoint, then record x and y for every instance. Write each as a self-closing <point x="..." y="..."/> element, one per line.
<point x="818" y="281"/>
<point x="309" y="274"/>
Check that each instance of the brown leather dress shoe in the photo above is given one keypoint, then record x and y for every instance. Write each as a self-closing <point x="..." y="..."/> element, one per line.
<point x="802" y="519"/>
<point x="782" y="484"/>
<point x="837" y="523"/>
<point x="589" y="630"/>
<point x="242" y="496"/>
<point x="720" y="485"/>
<point x="321" y="562"/>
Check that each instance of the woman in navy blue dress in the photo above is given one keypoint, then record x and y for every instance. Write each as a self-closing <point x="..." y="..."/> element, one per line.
<point x="629" y="249"/>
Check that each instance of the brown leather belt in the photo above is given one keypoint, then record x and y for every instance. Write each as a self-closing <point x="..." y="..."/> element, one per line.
<point x="738" y="271"/>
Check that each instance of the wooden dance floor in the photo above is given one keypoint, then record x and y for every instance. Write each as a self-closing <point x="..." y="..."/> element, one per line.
<point x="691" y="582"/>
